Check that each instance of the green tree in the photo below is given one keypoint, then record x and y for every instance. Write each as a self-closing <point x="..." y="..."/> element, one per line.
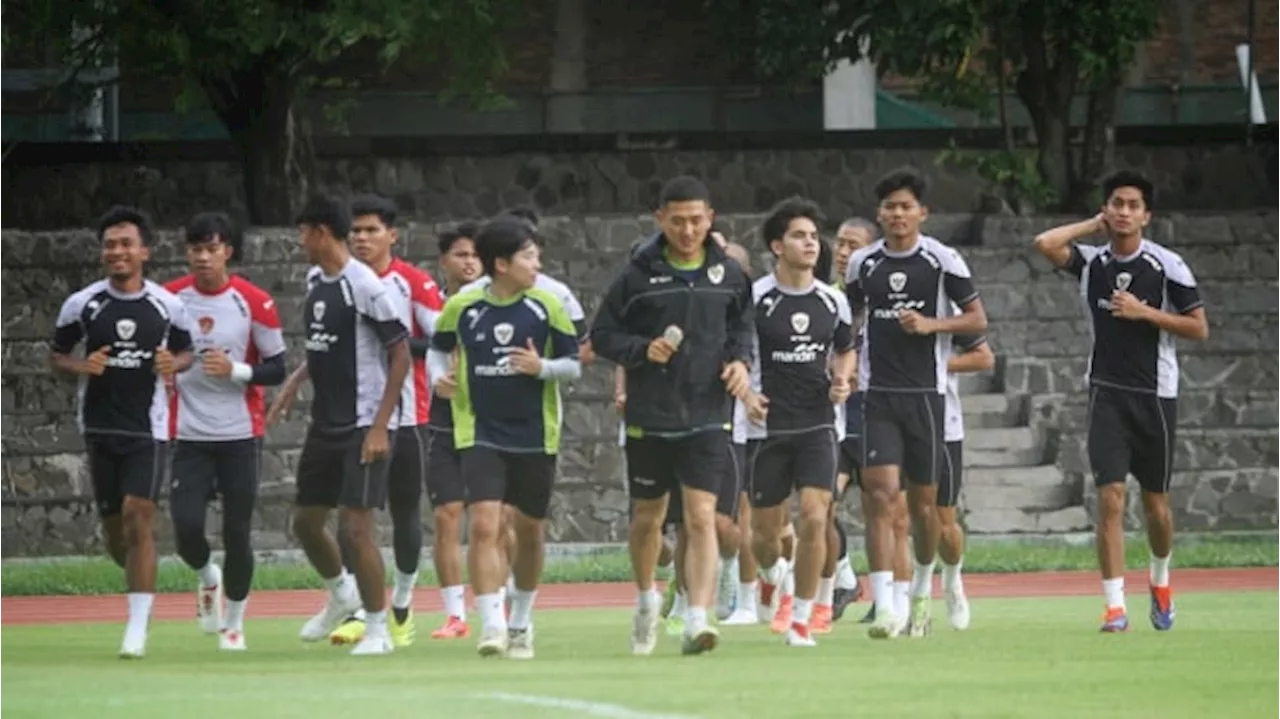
<point x="966" y="54"/>
<point x="251" y="61"/>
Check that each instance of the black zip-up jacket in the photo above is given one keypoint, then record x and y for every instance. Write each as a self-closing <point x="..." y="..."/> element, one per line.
<point x="686" y="395"/>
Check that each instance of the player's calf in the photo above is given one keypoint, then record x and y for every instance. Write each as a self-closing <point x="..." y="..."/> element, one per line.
<point x="140" y="573"/>
<point x="1159" y="521"/>
<point x="811" y="551"/>
<point x="488" y="571"/>
<point x="448" y="563"/>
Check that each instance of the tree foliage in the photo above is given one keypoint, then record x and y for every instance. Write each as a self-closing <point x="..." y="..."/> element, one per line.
<point x="250" y="61"/>
<point x="965" y="54"/>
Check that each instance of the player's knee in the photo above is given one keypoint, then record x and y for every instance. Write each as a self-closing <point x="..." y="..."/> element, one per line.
<point x="356" y="526"/>
<point x="1111" y="500"/>
<point x="137" y="516"/>
<point x="947" y="518"/>
<point x="448" y="518"/>
<point x="527" y="530"/>
<point x="485" y="523"/>
<point x="648" y="516"/>
<point x="308" y="522"/>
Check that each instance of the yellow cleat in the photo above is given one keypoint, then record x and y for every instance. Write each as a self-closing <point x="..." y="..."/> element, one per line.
<point x="402" y="634"/>
<point x="351" y="632"/>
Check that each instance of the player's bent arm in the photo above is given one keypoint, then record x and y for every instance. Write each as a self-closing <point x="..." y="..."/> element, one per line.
<point x="398" y="362"/>
<point x="844" y="363"/>
<point x="1191" y="325"/>
<point x="560" y="369"/>
<point x="972" y="320"/>
<point x="609" y="336"/>
<point x="267" y="373"/>
<point x="979" y="358"/>
<point x="619" y="381"/>
<point x="418" y="346"/>
<point x="1055" y="243"/>
<point x="67" y="364"/>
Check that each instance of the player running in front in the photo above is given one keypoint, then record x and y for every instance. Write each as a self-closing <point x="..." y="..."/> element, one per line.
<point x="515" y="344"/>
<point x="136" y="336"/>
<point x="417" y="301"/>
<point x="218" y="418"/>
<point x="802" y="324"/>
<point x="357" y="360"/>
<point x="906" y="282"/>
<point x="1138" y="297"/>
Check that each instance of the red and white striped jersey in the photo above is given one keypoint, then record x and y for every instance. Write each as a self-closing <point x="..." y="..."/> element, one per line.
<point x="418" y="302"/>
<point x="242" y="320"/>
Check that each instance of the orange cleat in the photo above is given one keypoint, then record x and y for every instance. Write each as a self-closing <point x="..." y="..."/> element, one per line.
<point x="820" y="619"/>
<point x="782" y="620"/>
<point x="454" y="628"/>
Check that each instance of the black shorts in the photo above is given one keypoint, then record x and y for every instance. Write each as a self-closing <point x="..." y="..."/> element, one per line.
<point x="789" y="462"/>
<point x="1132" y="433"/>
<point x="661" y="465"/>
<point x="904" y="429"/>
<point x="444" y="470"/>
<point x="125" y="467"/>
<point x="728" y="496"/>
<point x="204" y="471"/>
<point x="522" y="480"/>
<point x="330" y="473"/>
<point x="949" y="481"/>
<point x="850" y="461"/>
<point x="407" y="474"/>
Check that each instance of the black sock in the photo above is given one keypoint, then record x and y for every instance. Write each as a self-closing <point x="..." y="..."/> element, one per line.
<point x="401" y="615"/>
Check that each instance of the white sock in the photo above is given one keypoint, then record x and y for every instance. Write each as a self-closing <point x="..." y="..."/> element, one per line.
<point x="845" y="578"/>
<point x="680" y="605"/>
<point x="648" y="600"/>
<point x="233" y="619"/>
<point x="827" y="591"/>
<point x="882" y="589"/>
<point x="522" y="608"/>
<point x="402" y="594"/>
<point x="922" y="579"/>
<point x="696" y="619"/>
<point x="951" y="581"/>
<point x="375" y="623"/>
<point x="776" y="574"/>
<point x="747" y="597"/>
<point x="454" y="599"/>
<point x="511" y="584"/>
<point x="209" y="575"/>
<point x="1113" y="590"/>
<point x="139" y="610"/>
<point x="789" y="584"/>
<point x="1160" y="570"/>
<point x="801" y="611"/>
<point x="490" y="608"/>
<point x="341" y="586"/>
<point x="901" y="599"/>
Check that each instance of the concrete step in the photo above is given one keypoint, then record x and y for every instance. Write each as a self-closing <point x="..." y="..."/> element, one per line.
<point x="1024" y="488"/>
<point x="1016" y="521"/>
<point x="993" y="410"/>
<point x="1002" y="447"/>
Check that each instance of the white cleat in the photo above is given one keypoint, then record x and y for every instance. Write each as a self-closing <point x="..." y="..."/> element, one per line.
<point x="741" y="617"/>
<point x="958" y="610"/>
<point x="799" y="636"/>
<point x="336" y="610"/>
<point x="373" y="644"/>
<point x="520" y="643"/>
<point x="229" y="640"/>
<point x="134" y="645"/>
<point x="726" y="589"/>
<point x="644" y="633"/>
<point x="209" y="604"/>
<point x="493" y="642"/>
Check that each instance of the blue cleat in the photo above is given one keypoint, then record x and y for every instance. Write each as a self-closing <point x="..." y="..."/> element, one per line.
<point x="1162" y="611"/>
<point x="1115" y="621"/>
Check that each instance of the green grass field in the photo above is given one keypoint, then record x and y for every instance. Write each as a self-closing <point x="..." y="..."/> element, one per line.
<point x="1021" y="658"/>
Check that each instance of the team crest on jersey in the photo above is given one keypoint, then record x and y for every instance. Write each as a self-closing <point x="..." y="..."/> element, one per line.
<point x="897" y="281"/>
<point x="317" y="310"/>
<point x="1123" y="280"/>
<point x="503" y="332"/>
<point x="715" y="274"/>
<point x="800" y="322"/>
<point x="206" y="324"/>
<point x="125" y="329"/>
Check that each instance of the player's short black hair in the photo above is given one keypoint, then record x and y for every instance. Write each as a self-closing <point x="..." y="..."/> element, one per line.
<point x="904" y="178"/>
<point x="500" y="239"/>
<point x="121" y="214"/>
<point x="383" y="207"/>
<point x="462" y="231"/>
<point x="780" y="217"/>
<point x="327" y="211"/>
<point x="206" y="226"/>
<point x="1129" y="178"/>
<point x="684" y="188"/>
<point x="826" y="261"/>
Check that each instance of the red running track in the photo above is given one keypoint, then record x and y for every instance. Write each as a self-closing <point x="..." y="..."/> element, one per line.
<point x="267" y="604"/>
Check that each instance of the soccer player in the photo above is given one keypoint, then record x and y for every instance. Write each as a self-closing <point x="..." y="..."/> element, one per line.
<point x="1138" y="297"/>
<point x="906" y="282"/>
<point x="218" y="418"/>
<point x="459" y="265"/>
<point x="515" y="344"/>
<point x="357" y="360"/>
<point x="969" y="353"/>
<point x="803" y="364"/>
<point x="678" y="318"/>
<point x="417" y="300"/>
<point x="135" y="335"/>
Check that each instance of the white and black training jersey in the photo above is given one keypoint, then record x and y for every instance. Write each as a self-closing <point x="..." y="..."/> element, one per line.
<point x="796" y="332"/>
<point x="928" y="278"/>
<point x="349" y="321"/>
<point x="1132" y="355"/>
<point x="128" y="399"/>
